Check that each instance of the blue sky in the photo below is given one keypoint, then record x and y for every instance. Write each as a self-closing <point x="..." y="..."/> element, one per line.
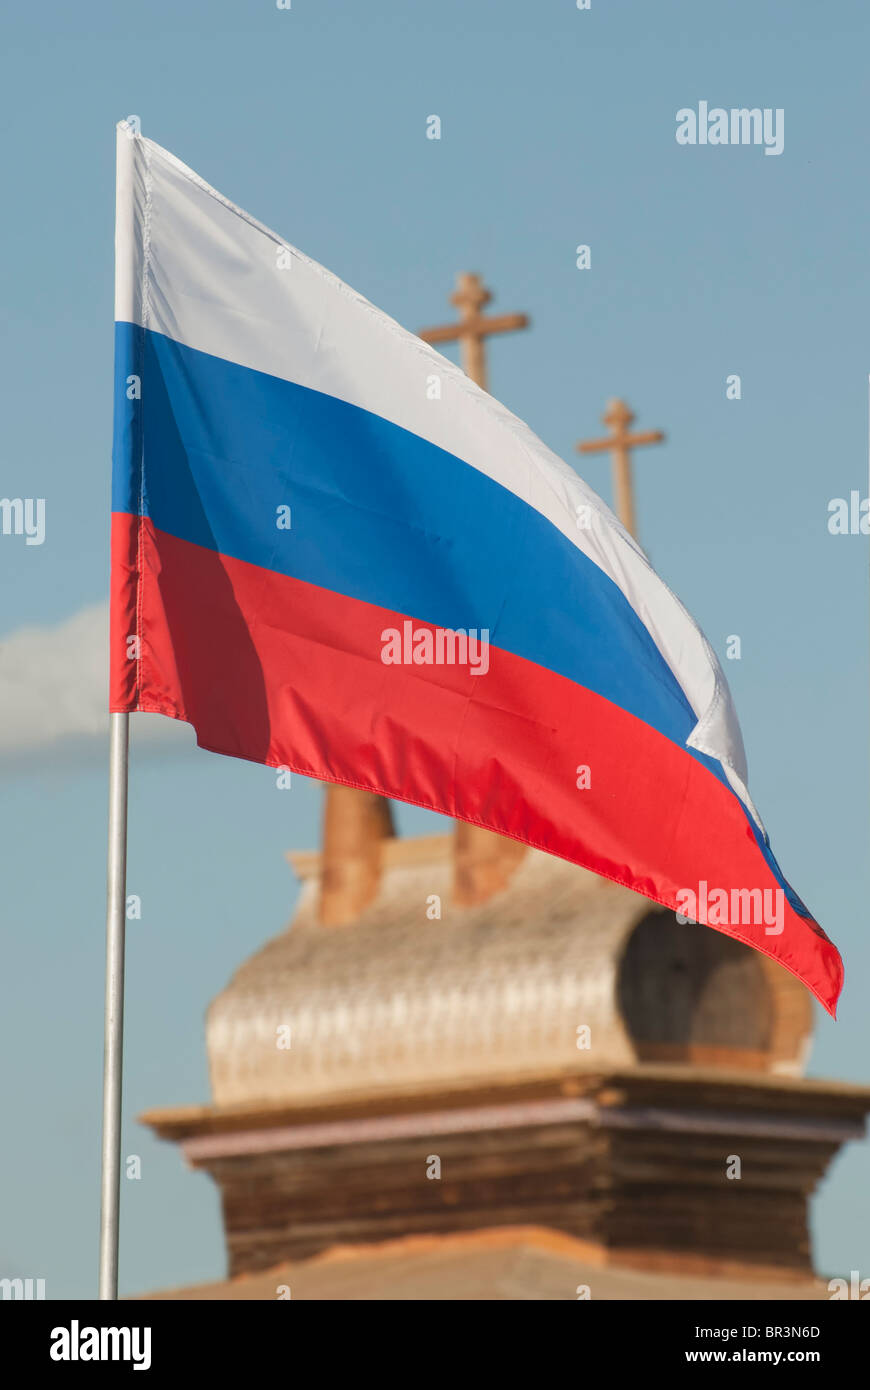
<point x="557" y="129"/>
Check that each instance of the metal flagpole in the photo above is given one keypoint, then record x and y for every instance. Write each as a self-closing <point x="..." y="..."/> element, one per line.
<point x="113" y="1055"/>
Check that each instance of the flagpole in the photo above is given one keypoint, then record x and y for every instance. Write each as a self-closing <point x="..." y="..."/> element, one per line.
<point x="113" y="1023"/>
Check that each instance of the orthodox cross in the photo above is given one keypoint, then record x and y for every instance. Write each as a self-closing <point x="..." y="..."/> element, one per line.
<point x="472" y="328"/>
<point x="619" y="442"/>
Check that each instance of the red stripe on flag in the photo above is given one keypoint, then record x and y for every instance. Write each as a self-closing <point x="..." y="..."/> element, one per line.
<point x="281" y="672"/>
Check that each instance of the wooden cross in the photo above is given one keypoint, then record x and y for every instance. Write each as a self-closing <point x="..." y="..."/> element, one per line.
<point x="619" y="419"/>
<point x="472" y="328"/>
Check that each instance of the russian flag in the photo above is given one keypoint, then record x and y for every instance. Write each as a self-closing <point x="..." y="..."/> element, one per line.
<point x="332" y="552"/>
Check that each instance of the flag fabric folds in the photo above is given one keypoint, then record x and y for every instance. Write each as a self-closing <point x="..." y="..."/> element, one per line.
<point x="333" y="553"/>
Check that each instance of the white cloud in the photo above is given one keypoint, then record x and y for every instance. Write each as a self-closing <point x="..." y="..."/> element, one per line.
<point x="54" y="688"/>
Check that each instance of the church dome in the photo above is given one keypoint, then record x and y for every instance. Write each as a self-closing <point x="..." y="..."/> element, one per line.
<point x="560" y="971"/>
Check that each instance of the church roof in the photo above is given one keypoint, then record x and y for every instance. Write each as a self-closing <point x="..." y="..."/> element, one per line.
<point x="418" y="993"/>
<point x="403" y="997"/>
